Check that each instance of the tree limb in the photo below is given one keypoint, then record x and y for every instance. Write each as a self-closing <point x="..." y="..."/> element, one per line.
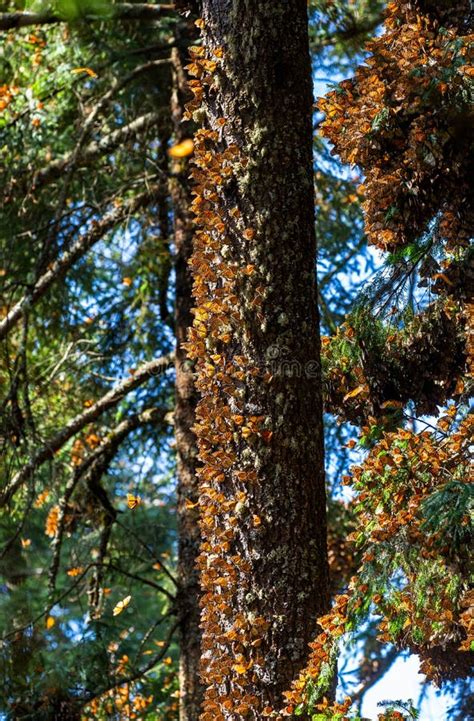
<point x="60" y="267"/>
<point x="97" y="461"/>
<point x="96" y="148"/>
<point x="145" y="581"/>
<point x="95" y="589"/>
<point x="123" y="11"/>
<point x="134" y="676"/>
<point x="109" y="400"/>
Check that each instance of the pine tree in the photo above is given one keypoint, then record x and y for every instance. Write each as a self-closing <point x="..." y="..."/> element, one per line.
<point x="255" y="341"/>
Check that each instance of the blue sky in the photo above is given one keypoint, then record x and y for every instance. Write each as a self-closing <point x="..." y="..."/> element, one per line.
<point x="403" y="681"/>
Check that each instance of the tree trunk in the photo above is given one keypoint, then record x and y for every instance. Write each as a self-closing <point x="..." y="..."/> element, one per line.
<point x="256" y="343"/>
<point x="191" y="692"/>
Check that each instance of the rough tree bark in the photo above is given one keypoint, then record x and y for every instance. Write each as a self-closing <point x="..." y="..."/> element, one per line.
<point x="255" y="339"/>
<point x="191" y="692"/>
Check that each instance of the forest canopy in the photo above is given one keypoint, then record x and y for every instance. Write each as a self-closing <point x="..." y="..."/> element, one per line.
<point x="236" y="356"/>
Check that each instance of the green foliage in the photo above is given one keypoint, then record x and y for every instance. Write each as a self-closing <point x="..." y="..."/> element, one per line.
<point x="72" y="10"/>
<point x="342" y="28"/>
<point x="90" y="330"/>
<point x="450" y="510"/>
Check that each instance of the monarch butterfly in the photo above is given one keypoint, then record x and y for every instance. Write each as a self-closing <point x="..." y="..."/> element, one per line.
<point x="76" y="571"/>
<point x="121" y="605"/>
<point x="133" y="501"/>
<point x="89" y="71"/>
<point x="182" y="149"/>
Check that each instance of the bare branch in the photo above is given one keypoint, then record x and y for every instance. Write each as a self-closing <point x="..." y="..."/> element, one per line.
<point x="157" y="560"/>
<point x="109" y="400"/>
<point x="123" y="11"/>
<point x="60" y="267"/>
<point x="49" y="607"/>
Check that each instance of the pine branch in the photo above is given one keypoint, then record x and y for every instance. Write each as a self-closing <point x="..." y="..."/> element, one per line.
<point x="123" y="11"/>
<point x="352" y="32"/>
<point x="96" y="462"/>
<point x="60" y="267"/>
<point x="136" y="675"/>
<point x="95" y="149"/>
<point x="108" y="401"/>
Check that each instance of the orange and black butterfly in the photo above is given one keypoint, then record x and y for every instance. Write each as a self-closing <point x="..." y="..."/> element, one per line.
<point x="121" y="605"/>
<point x="133" y="501"/>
